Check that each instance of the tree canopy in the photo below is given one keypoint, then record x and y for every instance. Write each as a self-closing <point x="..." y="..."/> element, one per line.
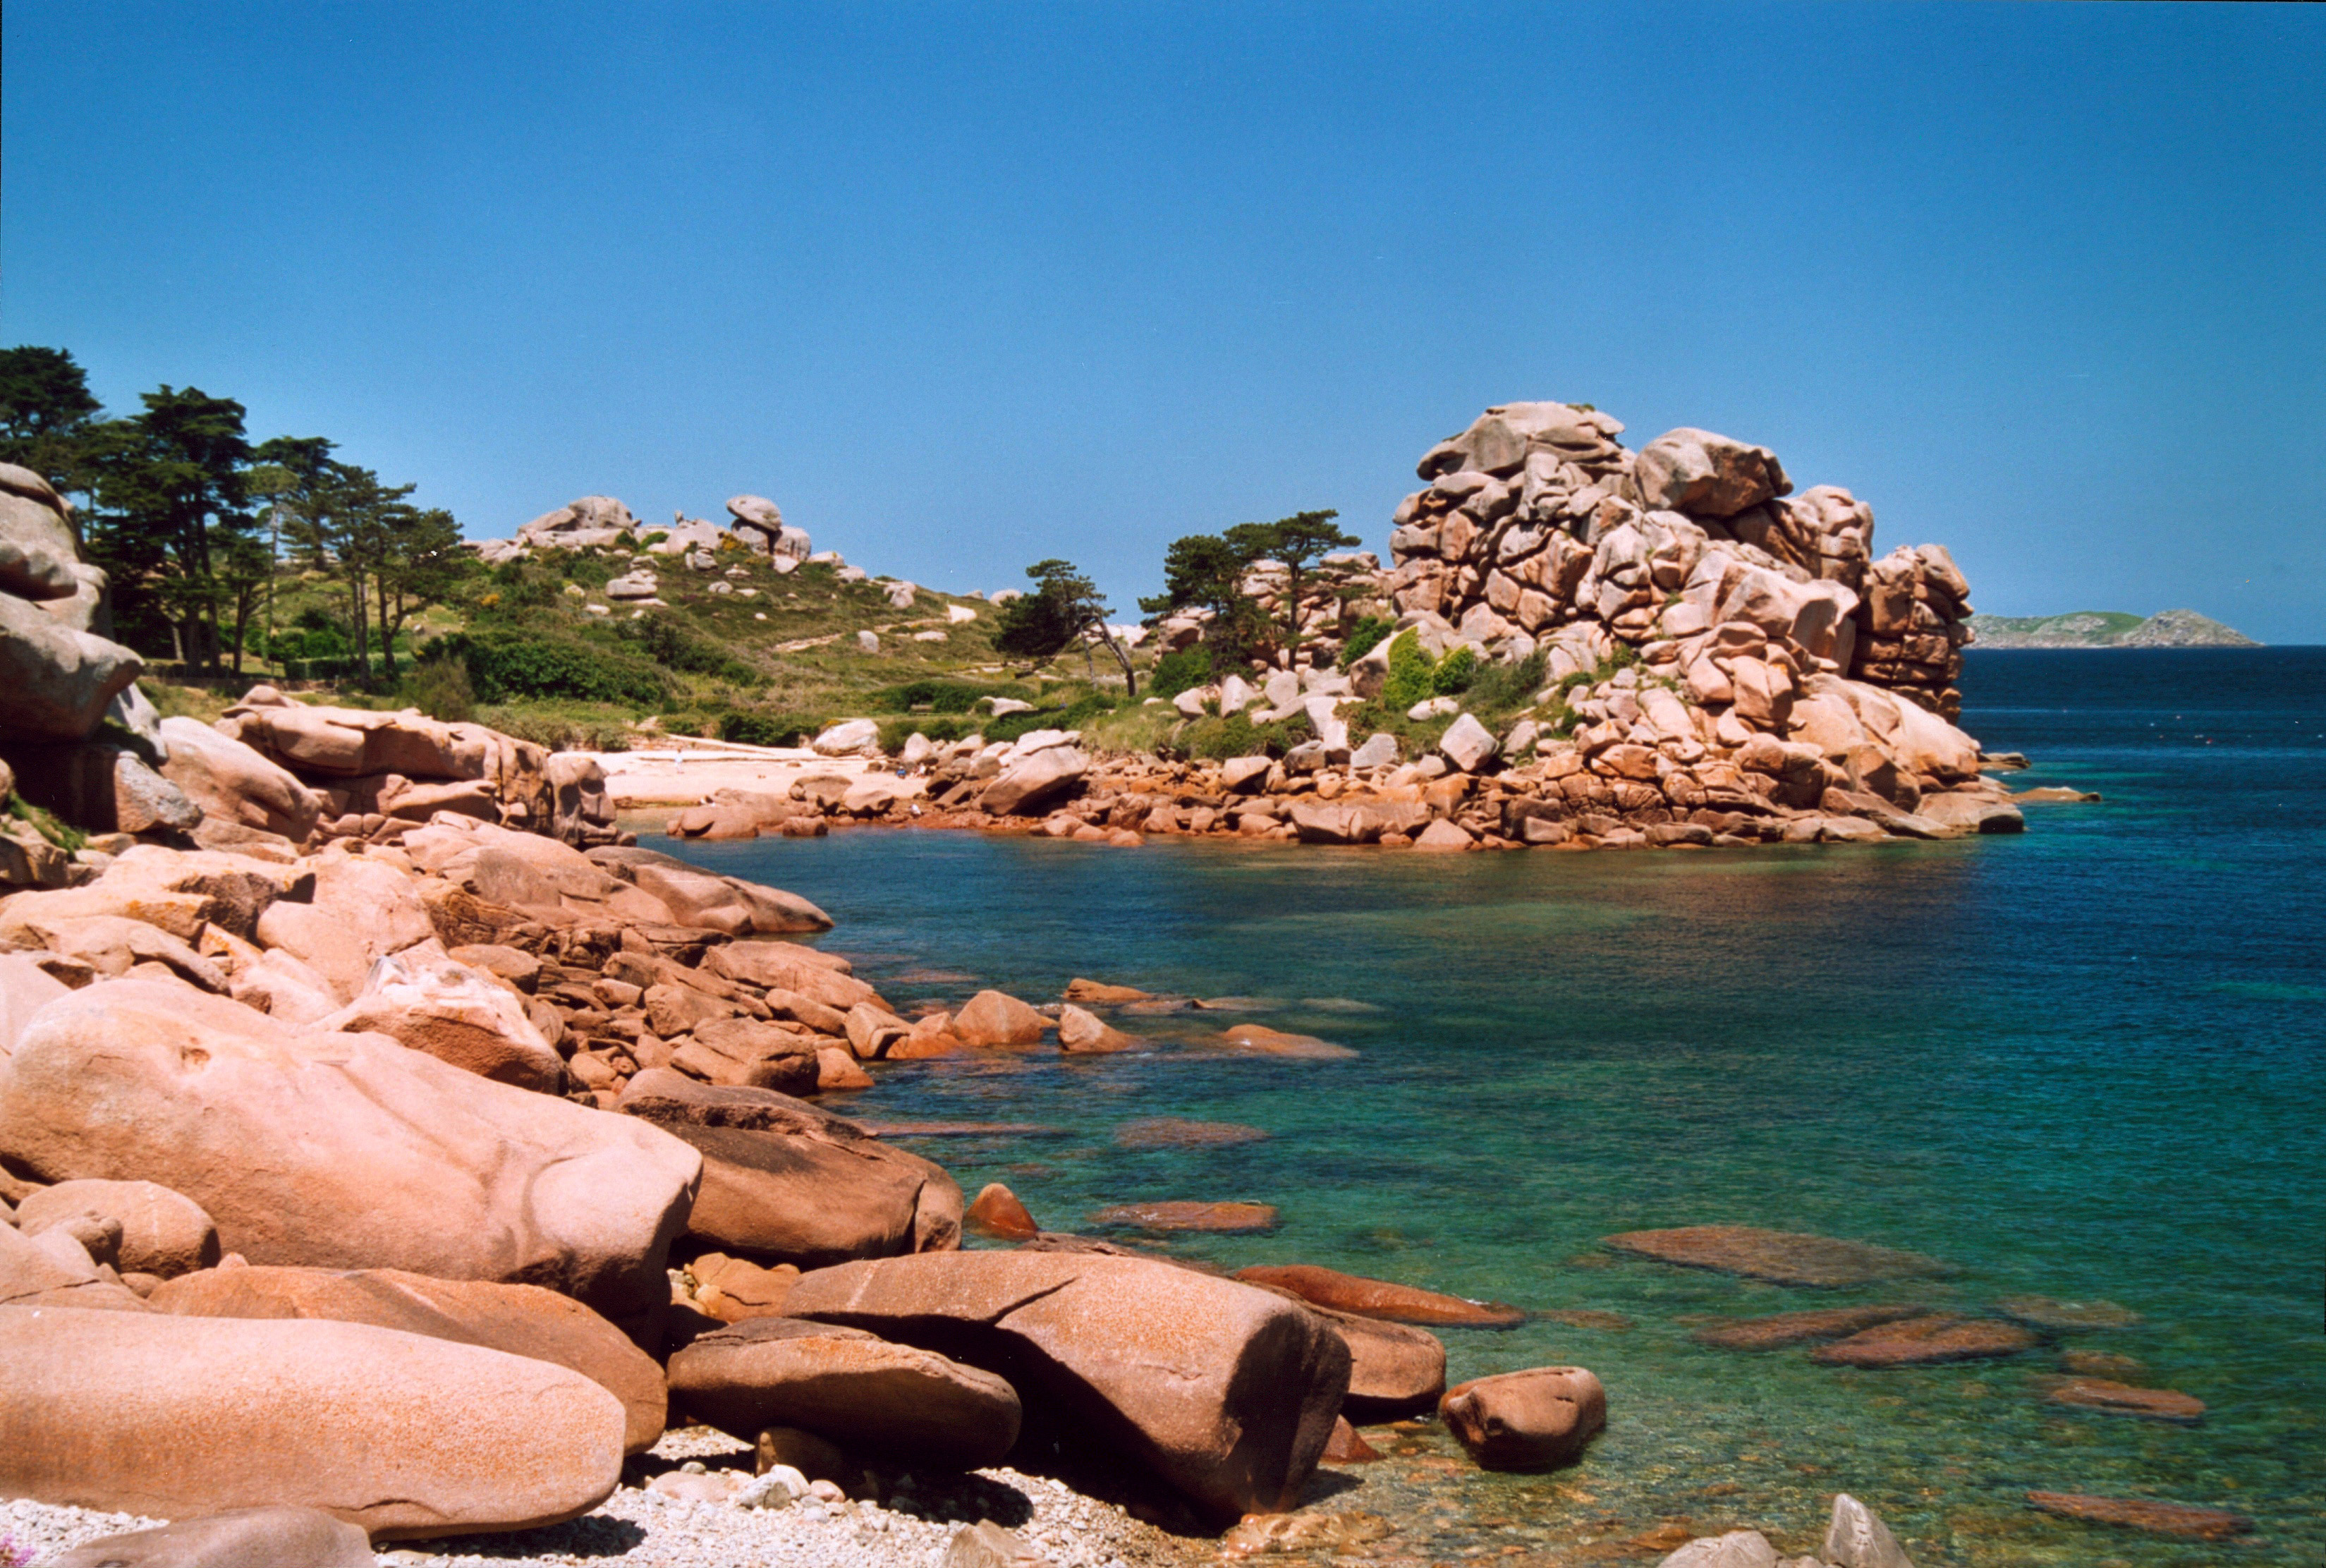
<point x="1064" y="607"/>
<point x="1213" y="571"/>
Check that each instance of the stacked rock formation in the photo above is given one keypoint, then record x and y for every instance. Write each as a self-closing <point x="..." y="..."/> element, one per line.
<point x="1538" y="526"/>
<point x="603" y="522"/>
<point x="364" y="766"/>
<point x="75" y="736"/>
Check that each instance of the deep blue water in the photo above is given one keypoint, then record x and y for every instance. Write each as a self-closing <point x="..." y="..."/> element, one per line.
<point x="2083" y="1062"/>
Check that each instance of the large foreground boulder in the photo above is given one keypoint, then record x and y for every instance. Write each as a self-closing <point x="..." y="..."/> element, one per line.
<point x="1226" y="1393"/>
<point x="345" y="1150"/>
<point x="143" y="1413"/>
<point x="521" y="1319"/>
<point x="785" y="1182"/>
<point x="911" y="1406"/>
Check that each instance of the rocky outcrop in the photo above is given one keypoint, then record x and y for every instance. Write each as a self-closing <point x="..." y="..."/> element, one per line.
<point x="403" y="765"/>
<point x="521" y="1319"/>
<point x="911" y="1406"/>
<point x="235" y="782"/>
<point x="756" y="517"/>
<point x="785" y="1182"/>
<point x="147" y="1413"/>
<point x="1227" y="1392"/>
<point x="344" y="1150"/>
<point x="1538" y="528"/>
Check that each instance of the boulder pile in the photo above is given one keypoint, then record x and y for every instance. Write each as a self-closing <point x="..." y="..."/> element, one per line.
<point x="413" y="1173"/>
<point x="1537" y="526"/>
<point x="76" y="737"/>
<point x="601" y="523"/>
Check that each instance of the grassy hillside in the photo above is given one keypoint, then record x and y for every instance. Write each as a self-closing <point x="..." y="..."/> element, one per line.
<point x="536" y="648"/>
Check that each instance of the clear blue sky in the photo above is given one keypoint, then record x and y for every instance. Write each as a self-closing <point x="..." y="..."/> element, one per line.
<point x="961" y="287"/>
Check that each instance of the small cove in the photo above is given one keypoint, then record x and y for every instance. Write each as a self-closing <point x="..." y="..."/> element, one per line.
<point x="2080" y="1064"/>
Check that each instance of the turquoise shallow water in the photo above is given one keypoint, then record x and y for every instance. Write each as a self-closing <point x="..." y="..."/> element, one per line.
<point x="2080" y="1063"/>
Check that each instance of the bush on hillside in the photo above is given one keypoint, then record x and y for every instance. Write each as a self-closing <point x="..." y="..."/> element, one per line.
<point x="438" y="686"/>
<point x="1364" y="638"/>
<point x="670" y="643"/>
<point x="943" y="696"/>
<point x="1236" y="735"/>
<point x="1178" y="672"/>
<point x="767" y="729"/>
<point x="505" y="664"/>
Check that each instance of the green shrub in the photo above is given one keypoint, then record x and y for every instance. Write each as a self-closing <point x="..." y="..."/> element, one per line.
<point x="1499" y="688"/>
<point x="669" y="642"/>
<point x="1412" y="674"/>
<point x="1454" y="672"/>
<point x="438" y="686"/>
<point x="1237" y="736"/>
<point x="1366" y="637"/>
<point x="767" y="729"/>
<point x="1178" y="672"/>
<point x="943" y="696"/>
<point x="503" y="665"/>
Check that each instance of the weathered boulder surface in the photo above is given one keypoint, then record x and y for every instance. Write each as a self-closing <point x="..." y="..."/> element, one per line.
<point x="1225" y="1391"/>
<point x="344" y="1150"/>
<point x="235" y="782"/>
<point x="38" y="551"/>
<point x="423" y="1000"/>
<point x="518" y="1318"/>
<point x="785" y="1182"/>
<point x="54" y="681"/>
<point x="1028" y="786"/>
<point x="163" y="1233"/>
<point x="998" y="1018"/>
<point x="263" y="1537"/>
<point x="146" y="1413"/>
<point x="913" y="1406"/>
<point x="56" y="1270"/>
<point x="1521" y="1421"/>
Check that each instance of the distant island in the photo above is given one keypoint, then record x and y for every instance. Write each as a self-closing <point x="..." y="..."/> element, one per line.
<point x="2107" y="628"/>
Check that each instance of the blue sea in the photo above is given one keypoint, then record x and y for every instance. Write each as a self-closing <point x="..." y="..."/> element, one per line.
<point x="2083" y="1063"/>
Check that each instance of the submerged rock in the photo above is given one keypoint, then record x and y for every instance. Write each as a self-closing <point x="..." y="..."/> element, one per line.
<point x="2067" y="1317"/>
<point x="1783" y="1328"/>
<point x="2144" y="1514"/>
<point x="1368" y="1298"/>
<point x="1780" y="1256"/>
<point x="1920" y="1341"/>
<point x="1221" y="1218"/>
<point x="2113" y="1398"/>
